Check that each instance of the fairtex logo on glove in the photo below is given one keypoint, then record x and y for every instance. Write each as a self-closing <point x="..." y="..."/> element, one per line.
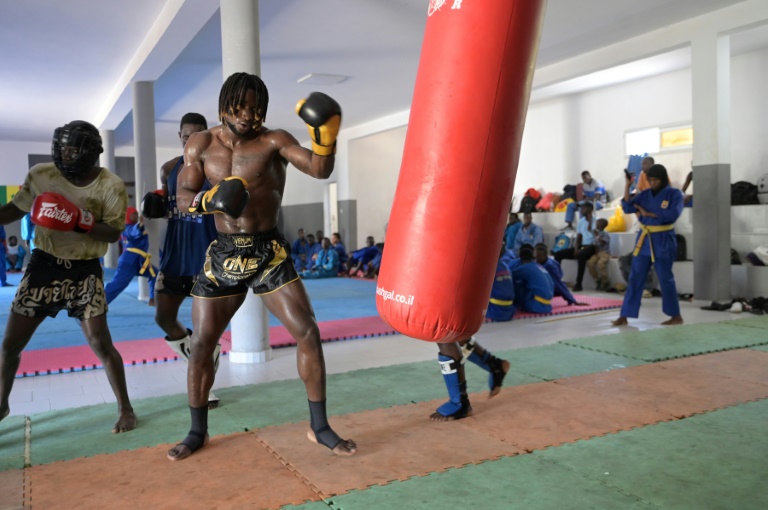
<point x="49" y="210"/>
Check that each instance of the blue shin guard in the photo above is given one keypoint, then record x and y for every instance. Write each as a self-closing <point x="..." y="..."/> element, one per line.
<point x="457" y="406"/>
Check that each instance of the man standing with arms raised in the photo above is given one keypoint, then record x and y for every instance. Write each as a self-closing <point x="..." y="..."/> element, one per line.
<point x="246" y="164"/>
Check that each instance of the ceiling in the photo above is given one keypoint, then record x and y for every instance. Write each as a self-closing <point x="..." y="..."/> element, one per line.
<point x="76" y="59"/>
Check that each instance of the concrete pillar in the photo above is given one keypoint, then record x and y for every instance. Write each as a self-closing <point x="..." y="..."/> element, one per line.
<point x="711" y="78"/>
<point x="107" y="160"/>
<point x="146" y="163"/>
<point x="240" y="53"/>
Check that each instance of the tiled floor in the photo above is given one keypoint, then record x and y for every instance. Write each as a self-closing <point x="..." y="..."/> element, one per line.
<point x="61" y="391"/>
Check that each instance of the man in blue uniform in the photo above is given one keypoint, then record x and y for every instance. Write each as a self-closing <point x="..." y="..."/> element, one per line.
<point x="135" y="259"/>
<point x="187" y="237"/>
<point x="326" y="265"/>
<point x="658" y="208"/>
<point x="533" y="286"/>
<point x="556" y="273"/>
<point x="501" y="306"/>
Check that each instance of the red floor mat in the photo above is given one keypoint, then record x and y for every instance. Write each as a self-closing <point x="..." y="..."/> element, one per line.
<point x="561" y="307"/>
<point x="137" y="352"/>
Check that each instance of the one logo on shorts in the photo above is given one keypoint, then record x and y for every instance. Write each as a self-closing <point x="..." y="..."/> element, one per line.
<point x="238" y="268"/>
<point x="243" y="242"/>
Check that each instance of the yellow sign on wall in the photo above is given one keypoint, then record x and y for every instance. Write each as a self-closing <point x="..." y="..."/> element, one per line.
<point x="7" y="193"/>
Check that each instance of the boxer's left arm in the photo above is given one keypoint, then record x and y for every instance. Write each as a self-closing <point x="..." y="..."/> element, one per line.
<point x="308" y="162"/>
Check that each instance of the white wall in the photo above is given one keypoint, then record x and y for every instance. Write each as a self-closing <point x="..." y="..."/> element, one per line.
<point x="14" y="161"/>
<point x="374" y="164"/>
<point x="749" y="116"/>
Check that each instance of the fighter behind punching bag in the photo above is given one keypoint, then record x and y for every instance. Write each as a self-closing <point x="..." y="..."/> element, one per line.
<point x="459" y="164"/>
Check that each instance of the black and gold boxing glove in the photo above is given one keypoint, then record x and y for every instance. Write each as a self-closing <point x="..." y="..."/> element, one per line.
<point x="323" y="117"/>
<point x="228" y="196"/>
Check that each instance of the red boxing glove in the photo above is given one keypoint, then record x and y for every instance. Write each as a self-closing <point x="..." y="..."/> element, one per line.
<point x="51" y="210"/>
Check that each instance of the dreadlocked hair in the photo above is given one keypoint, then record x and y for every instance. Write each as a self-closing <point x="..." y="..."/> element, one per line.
<point x="232" y="96"/>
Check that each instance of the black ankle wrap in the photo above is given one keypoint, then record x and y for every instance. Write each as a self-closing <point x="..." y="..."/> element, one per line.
<point x="318" y="422"/>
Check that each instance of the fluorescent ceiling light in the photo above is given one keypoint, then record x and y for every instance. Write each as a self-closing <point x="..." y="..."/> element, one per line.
<point x="321" y="79"/>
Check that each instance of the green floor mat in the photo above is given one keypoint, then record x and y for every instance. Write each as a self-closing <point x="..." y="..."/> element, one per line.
<point x="746" y="420"/>
<point x="760" y="322"/>
<point x="558" y="361"/>
<point x="524" y="481"/>
<point x="12" y="431"/>
<point x="87" y="431"/>
<point x="254" y="406"/>
<point x="691" y="463"/>
<point x="674" y="342"/>
<point x="761" y="348"/>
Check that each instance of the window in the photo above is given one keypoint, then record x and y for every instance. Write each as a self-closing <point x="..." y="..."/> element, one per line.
<point x="642" y="142"/>
<point x="655" y="140"/>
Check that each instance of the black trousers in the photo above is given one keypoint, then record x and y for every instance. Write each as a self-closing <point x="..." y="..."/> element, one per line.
<point x="582" y="256"/>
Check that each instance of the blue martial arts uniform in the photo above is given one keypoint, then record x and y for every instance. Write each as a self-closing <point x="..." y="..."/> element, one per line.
<point x="312" y="251"/>
<point x="532" y="235"/>
<point x="339" y="247"/>
<point x="556" y="273"/>
<point x="28" y="231"/>
<point x="135" y="260"/>
<point x="299" y="254"/>
<point x="656" y="245"/>
<point x="188" y="234"/>
<point x="501" y="305"/>
<point x="364" y="255"/>
<point x="509" y="258"/>
<point x="326" y="265"/>
<point x="510" y="233"/>
<point x="533" y="288"/>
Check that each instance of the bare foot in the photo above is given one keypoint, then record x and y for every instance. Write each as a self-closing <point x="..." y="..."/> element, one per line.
<point x="127" y="421"/>
<point x="151" y="302"/>
<point x="345" y="448"/>
<point x="182" y="451"/>
<point x="621" y="321"/>
<point x="674" y="321"/>
<point x="581" y="303"/>
<point x="496" y="389"/>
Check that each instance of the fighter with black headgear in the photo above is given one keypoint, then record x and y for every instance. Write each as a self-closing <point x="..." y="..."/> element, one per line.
<point x="658" y="208"/>
<point x="78" y="209"/>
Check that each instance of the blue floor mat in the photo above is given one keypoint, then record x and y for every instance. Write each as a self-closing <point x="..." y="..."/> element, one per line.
<point x="131" y="319"/>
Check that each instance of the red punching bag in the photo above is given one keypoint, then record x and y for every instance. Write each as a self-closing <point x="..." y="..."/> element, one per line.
<point x="459" y="163"/>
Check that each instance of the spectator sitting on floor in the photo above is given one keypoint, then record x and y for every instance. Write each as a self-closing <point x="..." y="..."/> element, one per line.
<point x="299" y="252"/>
<point x="511" y="230"/>
<point x="14" y="255"/>
<point x="326" y="264"/>
<point x="339" y="247"/>
<point x="359" y="258"/>
<point x="313" y="248"/>
<point x="501" y="305"/>
<point x="556" y="273"/>
<point x="529" y="233"/>
<point x="534" y="289"/>
<point x="594" y="193"/>
<point x="508" y="256"/>
<point x="371" y="269"/>
<point x="583" y="247"/>
<point x="598" y="263"/>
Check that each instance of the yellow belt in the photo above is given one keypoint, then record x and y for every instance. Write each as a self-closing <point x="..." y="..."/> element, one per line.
<point x="542" y="300"/>
<point x="649" y="229"/>
<point x="147" y="260"/>
<point x="501" y="302"/>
